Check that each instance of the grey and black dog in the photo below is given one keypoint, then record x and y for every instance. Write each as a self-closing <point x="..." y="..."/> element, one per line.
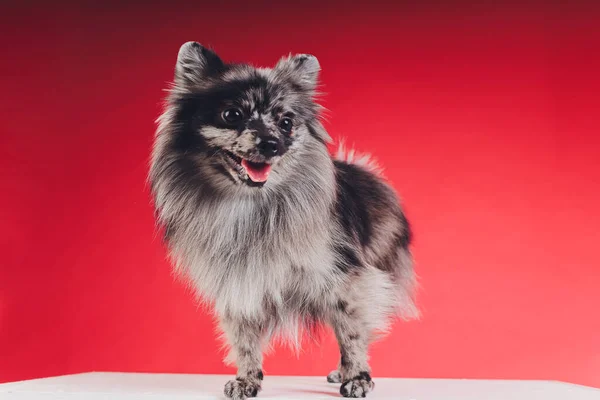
<point x="270" y="229"/>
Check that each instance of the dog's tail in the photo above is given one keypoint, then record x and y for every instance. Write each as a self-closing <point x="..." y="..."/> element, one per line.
<point x="351" y="156"/>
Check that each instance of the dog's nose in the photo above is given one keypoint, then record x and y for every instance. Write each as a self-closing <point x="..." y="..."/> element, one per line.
<point x="268" y="147"/>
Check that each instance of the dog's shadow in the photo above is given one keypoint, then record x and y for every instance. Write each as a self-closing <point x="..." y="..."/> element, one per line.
<point x="309" y="392"/>
<point x="317" y="392"/>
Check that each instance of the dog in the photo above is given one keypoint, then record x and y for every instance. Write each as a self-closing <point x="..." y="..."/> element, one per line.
<point x="272" y="231"/>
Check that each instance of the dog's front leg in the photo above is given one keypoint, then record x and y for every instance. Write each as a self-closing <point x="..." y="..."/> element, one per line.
<point x="244" y="338"/>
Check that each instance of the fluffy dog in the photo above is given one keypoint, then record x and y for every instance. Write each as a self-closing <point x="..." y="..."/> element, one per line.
<point x="270" y="229"/>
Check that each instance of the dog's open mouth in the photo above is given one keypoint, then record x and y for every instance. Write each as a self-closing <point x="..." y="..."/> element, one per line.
<point x="257" y="172"/>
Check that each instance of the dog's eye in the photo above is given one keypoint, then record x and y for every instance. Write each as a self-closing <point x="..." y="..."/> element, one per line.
<point x="232" y="115"/>
<point x="286" y="124"/>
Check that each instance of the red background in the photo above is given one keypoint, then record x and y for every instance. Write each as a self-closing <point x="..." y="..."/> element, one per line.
<point x="485" y="118"/>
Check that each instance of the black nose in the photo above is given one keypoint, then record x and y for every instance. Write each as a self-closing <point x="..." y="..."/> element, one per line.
<point x="268" y="147"/>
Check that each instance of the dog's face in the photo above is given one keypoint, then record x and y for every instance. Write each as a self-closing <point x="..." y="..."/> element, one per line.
<point x="243" y="120"/>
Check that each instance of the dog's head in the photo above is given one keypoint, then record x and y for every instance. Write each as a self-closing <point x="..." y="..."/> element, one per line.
<point x="243" y="121"/>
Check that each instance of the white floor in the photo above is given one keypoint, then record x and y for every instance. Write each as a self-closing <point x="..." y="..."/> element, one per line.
<point x="127" y="386"/>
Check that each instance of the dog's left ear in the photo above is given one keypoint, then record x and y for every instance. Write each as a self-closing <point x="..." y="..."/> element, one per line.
<point x="194" y="64"/>
<point x="303" y="68"/>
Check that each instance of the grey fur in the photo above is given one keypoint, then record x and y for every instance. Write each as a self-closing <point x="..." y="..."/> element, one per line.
<point x="322" y="240"/>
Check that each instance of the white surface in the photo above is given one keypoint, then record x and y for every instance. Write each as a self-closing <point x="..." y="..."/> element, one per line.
<point x="128" y="386"/>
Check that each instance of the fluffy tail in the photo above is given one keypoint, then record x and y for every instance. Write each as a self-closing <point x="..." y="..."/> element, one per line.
<point x="351" y="156"/>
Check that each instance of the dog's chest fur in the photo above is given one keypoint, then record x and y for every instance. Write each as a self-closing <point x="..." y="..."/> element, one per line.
<point x="265" y="250"/>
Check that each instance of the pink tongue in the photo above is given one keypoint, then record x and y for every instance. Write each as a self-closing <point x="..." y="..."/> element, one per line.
<point x="257" y="172"/>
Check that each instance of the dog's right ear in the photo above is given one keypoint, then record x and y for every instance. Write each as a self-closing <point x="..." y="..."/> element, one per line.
<point x="194" y="63"/>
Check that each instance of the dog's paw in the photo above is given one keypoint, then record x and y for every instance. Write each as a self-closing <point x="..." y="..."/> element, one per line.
<point x="240" y="389"/>
<point x="334" y="377"/>
<point x="358" y="386"/>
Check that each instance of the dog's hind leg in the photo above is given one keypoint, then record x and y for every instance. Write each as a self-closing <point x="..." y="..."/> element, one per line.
<point x="335" y="376"/>
<point x="353" y="335"/>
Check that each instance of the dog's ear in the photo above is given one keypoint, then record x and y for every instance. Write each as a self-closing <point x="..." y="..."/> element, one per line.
<point x="194" y="63"/>
<point x="302" y="68"/>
